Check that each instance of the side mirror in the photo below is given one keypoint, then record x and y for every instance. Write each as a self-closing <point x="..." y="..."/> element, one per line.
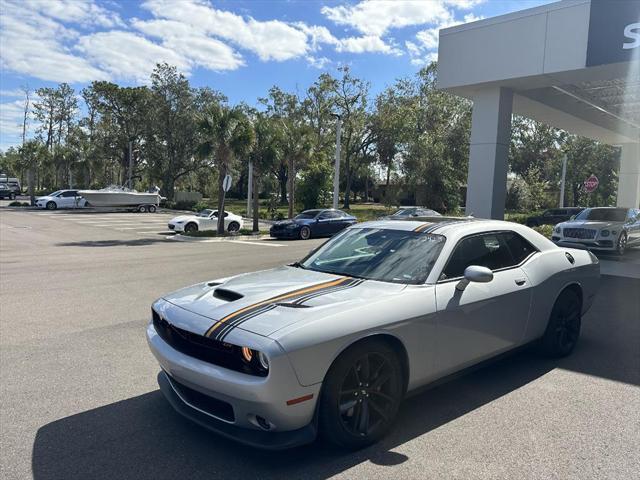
<point x="474" y="273"/>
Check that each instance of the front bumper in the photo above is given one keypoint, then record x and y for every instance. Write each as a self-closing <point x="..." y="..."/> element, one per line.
<point x="176" y="227"/>
<point x="600" y="244"/>
<point x="248" y="396"/>
<point x="285" y="233"/>
<point x="252" y="437"/>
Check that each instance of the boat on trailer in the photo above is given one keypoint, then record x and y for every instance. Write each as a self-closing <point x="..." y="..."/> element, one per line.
<point x="122" y="197"/>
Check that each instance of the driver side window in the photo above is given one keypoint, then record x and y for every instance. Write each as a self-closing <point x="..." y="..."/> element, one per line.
<point x="495" y="251"/>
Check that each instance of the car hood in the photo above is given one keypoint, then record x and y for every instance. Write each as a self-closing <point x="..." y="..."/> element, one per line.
<point x="293" y="221"/>
<point x="46" y="197"/>
<point x="267" y="301"/>
<point x="183" y="218"/>
<point x="595" y="225"/>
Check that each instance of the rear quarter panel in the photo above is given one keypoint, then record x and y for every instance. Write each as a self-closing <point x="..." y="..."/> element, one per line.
<point x="550" y="272"/>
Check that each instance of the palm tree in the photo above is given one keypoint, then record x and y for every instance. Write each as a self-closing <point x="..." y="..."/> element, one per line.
<point x="226" y="134"/>
<point x="264" y="154"/>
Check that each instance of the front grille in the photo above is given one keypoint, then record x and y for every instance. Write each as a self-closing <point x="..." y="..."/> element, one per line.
<point x="171" y="226"/>
<point x="210" y="405"/>
<point x="582" y="233"/>
<point x="203" y="348"/>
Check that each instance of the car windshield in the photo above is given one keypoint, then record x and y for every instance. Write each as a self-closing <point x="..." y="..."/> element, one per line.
<point x="56" y="193"/>
<point x="404" y="211"/>
<point x="309" y="214"/>
<point x="204" y="213"/>
<point x="603" y="214"/>
<point x="386" y="255"/>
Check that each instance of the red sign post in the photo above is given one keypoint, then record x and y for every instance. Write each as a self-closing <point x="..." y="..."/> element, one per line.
<point x="591" y="183"/>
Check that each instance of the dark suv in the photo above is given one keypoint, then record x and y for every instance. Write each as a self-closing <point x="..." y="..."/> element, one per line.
<point x="553" y="216"/>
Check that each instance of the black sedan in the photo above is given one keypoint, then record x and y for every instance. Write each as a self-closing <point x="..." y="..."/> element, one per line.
<point x="313" y="223"/>
<point x="553" y="216"/>
<point x="408" y="212"/>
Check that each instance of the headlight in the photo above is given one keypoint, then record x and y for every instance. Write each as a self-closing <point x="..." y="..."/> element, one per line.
<point x="292" y="226"/>
<point x="557" y="230"/>
<point x="614" y="232"/>
<point x="264" y="360"/>
<point x="604" y="233"/>
<point x="247" y="354"/>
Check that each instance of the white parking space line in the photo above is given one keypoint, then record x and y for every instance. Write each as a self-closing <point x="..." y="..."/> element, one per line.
<point x="257" y="242"/>
<point x="141" y="227"/>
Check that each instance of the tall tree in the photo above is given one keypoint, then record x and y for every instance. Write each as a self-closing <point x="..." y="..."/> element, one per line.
<point x="226" y="134"/>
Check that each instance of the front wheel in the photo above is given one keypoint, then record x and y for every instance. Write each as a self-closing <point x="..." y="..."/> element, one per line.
<point x="51" y="205"/>
<point x="191" y="227"/>
<point x="305" y="233"/>
<point x="563" y="329"/>
<point x="621" y="246"/>
<point x="361" y="395"/>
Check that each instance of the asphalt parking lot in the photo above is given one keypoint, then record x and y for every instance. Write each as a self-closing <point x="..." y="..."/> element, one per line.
<point x="79" y="398"/>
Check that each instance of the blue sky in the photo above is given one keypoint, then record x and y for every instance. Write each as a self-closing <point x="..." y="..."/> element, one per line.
<point x="238" y="47"/>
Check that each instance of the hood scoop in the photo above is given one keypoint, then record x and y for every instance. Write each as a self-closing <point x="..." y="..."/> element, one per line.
<point x="227" y="295"/>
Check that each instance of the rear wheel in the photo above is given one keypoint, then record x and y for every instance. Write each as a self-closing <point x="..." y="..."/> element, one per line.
<point x="305" y="233"/>
<point x="142" y="208"/>
<point x="152" y="209"/>
<point x="361" y="395"/>
<point x="51" y="205"/>
<point x="233" y="227"/>
<point x="191" y="227"/>
<point x="563" y="329"/>
<point x="621" y="245"/>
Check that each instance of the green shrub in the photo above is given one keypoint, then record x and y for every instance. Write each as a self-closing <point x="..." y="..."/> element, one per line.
<point x="19" y="204"/>
<point x="315" y="187"/>
<point x="545" y="230"/>
<point x="201" y="205"/>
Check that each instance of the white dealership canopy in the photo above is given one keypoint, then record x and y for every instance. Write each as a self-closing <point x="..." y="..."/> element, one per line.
<point x="573" y="64"/>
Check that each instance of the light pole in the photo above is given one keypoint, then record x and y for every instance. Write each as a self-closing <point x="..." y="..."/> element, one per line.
<point x="336" y="174"/>
<point x="250" y="190"/>
<point x="564" y="176"/>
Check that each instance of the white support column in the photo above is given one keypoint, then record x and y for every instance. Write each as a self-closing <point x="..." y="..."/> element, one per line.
<point x="489" y="152"/>
<point x="629" y="176"/>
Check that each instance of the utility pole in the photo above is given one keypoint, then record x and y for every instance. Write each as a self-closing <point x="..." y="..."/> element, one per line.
<point x="564" y="176"/>
<point x="336" y="174"/>
<point x="130" y="184"/>
<point x="250" y="190"/>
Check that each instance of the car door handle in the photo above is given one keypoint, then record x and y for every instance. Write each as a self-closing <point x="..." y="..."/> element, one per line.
<point x="521" y="281"/>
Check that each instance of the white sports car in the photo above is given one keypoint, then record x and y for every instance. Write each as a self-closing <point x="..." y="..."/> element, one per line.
<point x="332" y="344"/>
<point x="207" y="219"/>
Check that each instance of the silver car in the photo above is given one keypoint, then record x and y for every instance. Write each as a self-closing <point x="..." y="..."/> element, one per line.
<point x="606" y="228"/>
<point x="332" y="344"/>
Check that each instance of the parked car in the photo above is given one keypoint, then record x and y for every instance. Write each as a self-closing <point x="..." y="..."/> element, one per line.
<point x="553" y="216"/>
<point x="6" y="192"/>
<point x="414" y="212"/>
<point x="605" y="228"/>
<point x="61" y="199"/>
<point x="334" y="342"/>
<point x="313" y="223"/>
<point x="12" y="183"/>
<point x="206" y="219"/>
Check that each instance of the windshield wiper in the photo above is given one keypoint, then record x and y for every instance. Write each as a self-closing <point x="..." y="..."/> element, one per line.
<point x="297" y="265"/>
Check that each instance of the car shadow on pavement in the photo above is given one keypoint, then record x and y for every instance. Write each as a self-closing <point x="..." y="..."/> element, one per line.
<point x="137" y="242"/>
<point x="143" y="438"/>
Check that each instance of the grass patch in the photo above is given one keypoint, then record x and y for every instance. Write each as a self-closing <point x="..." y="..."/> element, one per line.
<point x="213" y="233"/>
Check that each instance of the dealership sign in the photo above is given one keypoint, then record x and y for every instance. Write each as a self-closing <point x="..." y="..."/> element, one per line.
<point x="591" y="183"/>
<point x="614" y="32"/>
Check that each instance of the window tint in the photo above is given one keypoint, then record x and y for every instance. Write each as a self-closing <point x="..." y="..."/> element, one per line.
<point x="329" y="214"/>
<point x="493" y="250"/>
<point x="70" y="193"/>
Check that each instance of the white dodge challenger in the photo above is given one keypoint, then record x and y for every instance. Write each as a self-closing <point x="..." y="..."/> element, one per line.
<point x="330" y="345"/>
<point x="206" y="219"/>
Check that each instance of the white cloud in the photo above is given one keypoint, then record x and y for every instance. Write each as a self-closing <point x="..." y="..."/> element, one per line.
<point x="85" y="12"/>
<point x="127" y="55"/>
<point x="376" y="17"/>
<point x="32" y="44"/>
<point x="318" y="63"/>
<point x="11" y="115"/>
<point x="269" y="40"/>
<point x="366" y="44"/>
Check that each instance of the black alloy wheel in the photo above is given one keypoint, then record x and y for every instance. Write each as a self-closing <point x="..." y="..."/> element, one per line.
<point x="621" y="245"/>
<point x="51" y="205"/>
<point x="233" y="227"/>
<point x="191" y="227"/>
<point x="563" y="330"/>
<point x="361" y="396"/>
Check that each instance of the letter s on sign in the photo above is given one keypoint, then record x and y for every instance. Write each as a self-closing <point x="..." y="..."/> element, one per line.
<point x="632" y="31"/>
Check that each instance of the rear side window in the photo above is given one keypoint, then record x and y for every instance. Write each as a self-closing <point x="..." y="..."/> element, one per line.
<point x="495" y="251"/>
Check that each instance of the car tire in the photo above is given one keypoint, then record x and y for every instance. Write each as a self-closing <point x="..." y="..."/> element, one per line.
<point x="305" y="233"/>
<point x="191" y="227"/>
<point x="361" y="395"/>
<point x="621" y="244"/>
<point x="51" y="205"/>
<point x="142" y="209"/>
<point x="152" y="209"/>
<point x="563" y="329"/>
<point x="233" y="227"/>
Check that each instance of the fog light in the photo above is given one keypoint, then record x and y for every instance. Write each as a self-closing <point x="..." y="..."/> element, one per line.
<point x="264" y="424"/>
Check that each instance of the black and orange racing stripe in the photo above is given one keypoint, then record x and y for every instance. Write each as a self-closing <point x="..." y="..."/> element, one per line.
<point x="423" y="227"/>
<point x="223" y="326"/>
